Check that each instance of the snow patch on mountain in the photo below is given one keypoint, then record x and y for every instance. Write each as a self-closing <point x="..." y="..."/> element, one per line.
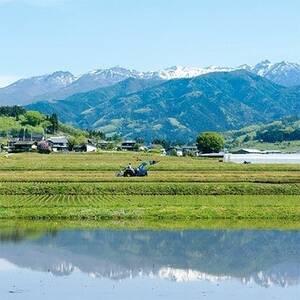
<point x="176" y="72"/>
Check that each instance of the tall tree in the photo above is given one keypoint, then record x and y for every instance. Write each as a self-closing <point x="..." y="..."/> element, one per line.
<point x="54" y="121"/>
<point x="209" y="142"/>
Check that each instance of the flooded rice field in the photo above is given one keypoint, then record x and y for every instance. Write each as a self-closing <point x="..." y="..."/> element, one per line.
<point x="142" y="264"/>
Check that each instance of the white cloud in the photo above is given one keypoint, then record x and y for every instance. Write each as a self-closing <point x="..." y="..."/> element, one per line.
<point x="5" y="80"/>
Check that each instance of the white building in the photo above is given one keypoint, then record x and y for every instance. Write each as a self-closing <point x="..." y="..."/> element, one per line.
<point x="91" y="148"/>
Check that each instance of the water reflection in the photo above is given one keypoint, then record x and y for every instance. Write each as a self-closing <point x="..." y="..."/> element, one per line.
<point x="266" y="258"/>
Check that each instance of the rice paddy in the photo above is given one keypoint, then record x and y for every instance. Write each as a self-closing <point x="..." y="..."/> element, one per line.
<point x="84" y="187"/>
<point x="108" y="207"/>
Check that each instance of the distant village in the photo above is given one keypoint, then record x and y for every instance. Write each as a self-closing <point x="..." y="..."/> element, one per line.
<point x="41" y="144"/>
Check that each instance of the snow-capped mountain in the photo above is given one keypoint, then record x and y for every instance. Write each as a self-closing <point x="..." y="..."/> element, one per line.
<point x="25" y="90"/>
<point x="60" y="85"/>
<point x="283" y="73"/>
<point x="105" y="77"/>
<point x="96" y="79"/>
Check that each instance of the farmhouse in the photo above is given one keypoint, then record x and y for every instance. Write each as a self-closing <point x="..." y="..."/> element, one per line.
<point x="59" y="143"/>
<point x="128" y="145"/>
<point x="16" y="146"/>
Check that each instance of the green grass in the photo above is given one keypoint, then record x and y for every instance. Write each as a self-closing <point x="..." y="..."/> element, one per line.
<point x="181" y="190"/>
<point x="20" y="227"/>
<point x="182" y="208"/>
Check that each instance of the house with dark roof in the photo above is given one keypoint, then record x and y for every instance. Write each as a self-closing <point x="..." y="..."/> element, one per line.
<point x="128" y="145"/>
<point x="17" y="146"/>
<point x="58" y="143"/>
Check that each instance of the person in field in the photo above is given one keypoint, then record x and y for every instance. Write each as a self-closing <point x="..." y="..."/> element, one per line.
<point x="130" y="167"/>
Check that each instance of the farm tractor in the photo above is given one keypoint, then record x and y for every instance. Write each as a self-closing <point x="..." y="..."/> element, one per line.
<point x="140" y="171"/>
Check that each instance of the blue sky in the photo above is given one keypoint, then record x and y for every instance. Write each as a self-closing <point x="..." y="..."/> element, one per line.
<point x="41" y="36"/>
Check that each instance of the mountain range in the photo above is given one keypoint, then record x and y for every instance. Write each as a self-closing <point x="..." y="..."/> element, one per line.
<point x="26" y="90"/>
<point x="61" y="85"/>
<point x="177" y="109"/>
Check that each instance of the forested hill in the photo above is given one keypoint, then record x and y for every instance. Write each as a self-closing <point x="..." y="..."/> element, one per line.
<point x="16" y="121"/>
<point x="178" y="109"/>
<point x="282" y="131"/>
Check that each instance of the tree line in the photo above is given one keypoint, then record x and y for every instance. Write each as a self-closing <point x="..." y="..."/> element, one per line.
<point x="12" y="111"/>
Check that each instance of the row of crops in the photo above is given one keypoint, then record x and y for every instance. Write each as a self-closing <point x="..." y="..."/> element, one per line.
<point x="149" y="208"/>
<point x="147" y="188"/>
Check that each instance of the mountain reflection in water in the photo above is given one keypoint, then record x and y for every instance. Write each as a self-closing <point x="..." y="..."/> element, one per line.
<point x="266" y="258"/>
